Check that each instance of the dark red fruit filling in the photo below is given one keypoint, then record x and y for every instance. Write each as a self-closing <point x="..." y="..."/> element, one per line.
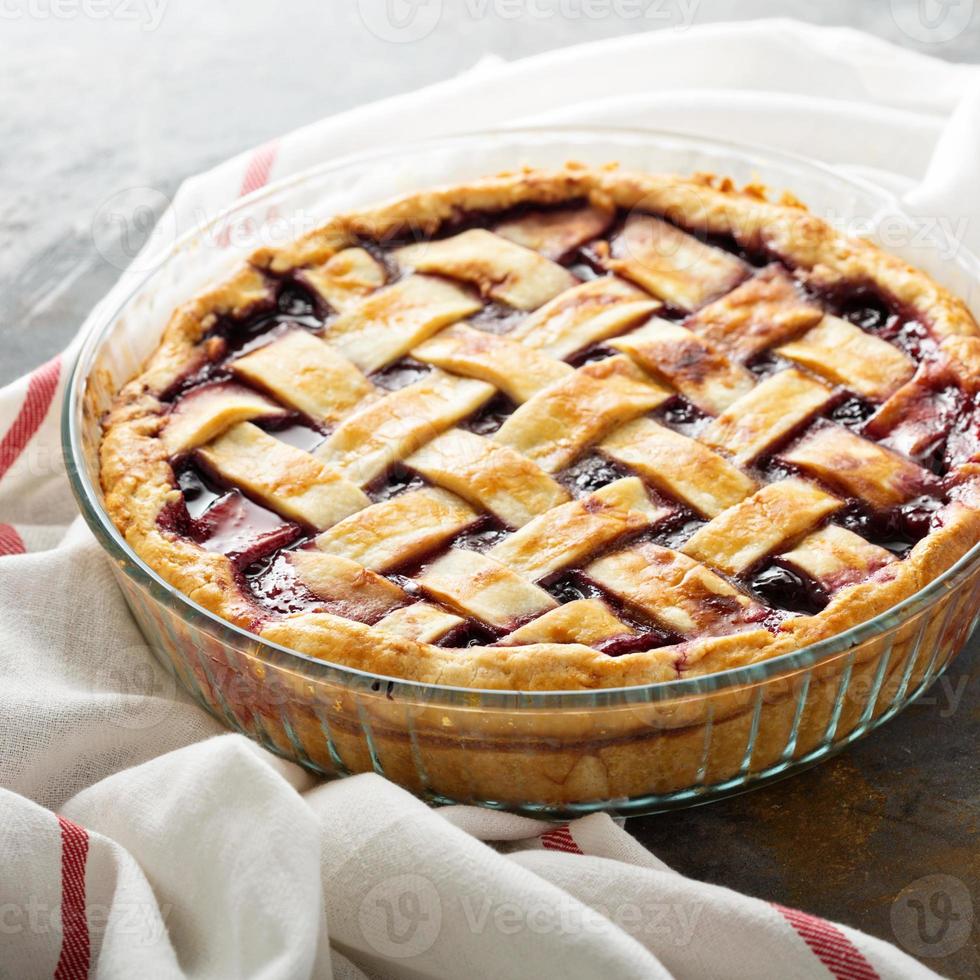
<point x="482" y="535"/>
<point x="294" y="304"/>
<point x="496" y="318"/>
<point x="865" y="308"/>
<point x="870" y="310"/>
<point x="242" y="530"/>
<point x="963" y="440"/>
<point x="297" y="434"/>
<point x="469" y="634"/>
<point x="401" y="374"/>
<point x="589" y="259"/>
<point x="591" y="354"/>
<point x="783" y="587"/>
<point x="225" y="521"/>
<point x="198" y="493"/>
<point x="491" y="417"/>
<point x="636" y="642"/>
<point x="681" y="416"/>
<point x="583" y="270"/>
<point x="591" y="473"/>
<point x="676" y="530"/>
<point x="934" y="422"/>
<point x="852" y="413"/>
<point x="570" y="586"/>
<point x="273" y="582"/>
<point x="896" y="530"/>
<point x="759" y="258"/>
<point x="766" y="364"/>
<point x="397" y="480"/>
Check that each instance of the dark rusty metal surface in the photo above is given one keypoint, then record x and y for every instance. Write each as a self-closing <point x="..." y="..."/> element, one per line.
<point x="851" y="837"/>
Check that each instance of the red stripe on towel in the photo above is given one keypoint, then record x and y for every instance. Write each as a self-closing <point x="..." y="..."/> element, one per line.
<point x="259" y="167"/>
<point x="73" y="962"/>
<point x="560" y="839"/>
<point x="841" y="957"/>
<point x="11" y="543"/>
<point x="40" y="393"/>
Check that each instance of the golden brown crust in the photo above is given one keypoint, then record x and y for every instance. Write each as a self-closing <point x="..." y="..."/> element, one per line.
<point x="139" y="484"/>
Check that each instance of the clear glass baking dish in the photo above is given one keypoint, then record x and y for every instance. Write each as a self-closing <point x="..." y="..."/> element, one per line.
<point x="649" y="747"/>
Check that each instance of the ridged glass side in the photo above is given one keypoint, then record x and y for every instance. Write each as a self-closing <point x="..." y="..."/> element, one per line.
<point x="655" y="754"/>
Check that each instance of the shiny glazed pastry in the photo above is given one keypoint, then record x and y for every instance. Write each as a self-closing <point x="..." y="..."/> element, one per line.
<point x="556" y="430"/>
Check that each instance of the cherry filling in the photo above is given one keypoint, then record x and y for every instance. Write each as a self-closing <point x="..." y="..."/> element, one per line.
<point x="673" y="313"/>
<point x="198" y="492"/>
<point x="591" y="354"/>
<point x="591" y="473"/>
<point x="496" y="318"/>
<point x="934" y="421"/>
<point x="865" y="308"/>
<point x="636" y="642"/>
<point x="294" y="304"/>
<point x="225" y="521"/>
<point x="570" y="586"/>
<point x="583" y="270"/>
<point x="870" y="310"/>
<point x="399" y="479"/>
<point x="297" y="434"/>
<point x="756" y="257"/>
<point x="675" y="531"/>
<point x="272" y="580"/>
<point x="590" y="258"/>
<point x="770" y="469"/>
<point x="469" y="634"/>
<point x="852" y="413"/>
<point x="766" y="364"/>
<point x="897" y="530"/>
<point x="963" y="440"/>
<point x="681" y="416"/>
<point x="489" y="418"/>
<point x="783" y="587"/>
<point x="482" y="535"/>
<point x="404" y="372"/>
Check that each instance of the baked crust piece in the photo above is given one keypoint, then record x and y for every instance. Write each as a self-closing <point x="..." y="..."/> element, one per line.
<point x="555" y="430"/>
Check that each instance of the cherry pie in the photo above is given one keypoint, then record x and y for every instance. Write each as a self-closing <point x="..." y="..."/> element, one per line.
<point x="556" y="430"/>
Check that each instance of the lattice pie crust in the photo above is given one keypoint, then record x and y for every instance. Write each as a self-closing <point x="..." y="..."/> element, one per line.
<point x="556" y="430"/>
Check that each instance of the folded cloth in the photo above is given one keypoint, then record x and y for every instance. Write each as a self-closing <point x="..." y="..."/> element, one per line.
<point x="138" y="840"/>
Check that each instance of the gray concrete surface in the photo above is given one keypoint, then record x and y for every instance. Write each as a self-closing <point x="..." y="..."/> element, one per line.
<point x="90" y="107"/>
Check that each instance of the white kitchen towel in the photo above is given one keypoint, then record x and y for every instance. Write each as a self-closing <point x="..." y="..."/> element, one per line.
<point x="139" y="841"/>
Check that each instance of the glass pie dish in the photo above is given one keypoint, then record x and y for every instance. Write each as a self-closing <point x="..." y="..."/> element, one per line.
<point x="646" y="747"/>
